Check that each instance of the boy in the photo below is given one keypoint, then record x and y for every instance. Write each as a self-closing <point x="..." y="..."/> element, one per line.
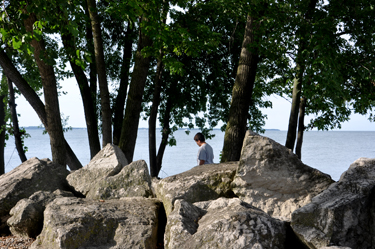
<point x="205" y="152"/>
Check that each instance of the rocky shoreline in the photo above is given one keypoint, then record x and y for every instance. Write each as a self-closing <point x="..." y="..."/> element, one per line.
<point x="15" y="242"/>
<point x="268" y="199"/>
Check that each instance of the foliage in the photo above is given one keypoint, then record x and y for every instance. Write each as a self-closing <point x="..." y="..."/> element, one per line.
<point x="200" y="47"/>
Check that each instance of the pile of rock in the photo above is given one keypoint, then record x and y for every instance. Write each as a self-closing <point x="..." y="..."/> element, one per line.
<point x="269" y="199"/>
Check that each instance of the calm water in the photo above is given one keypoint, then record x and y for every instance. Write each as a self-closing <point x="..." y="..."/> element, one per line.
<point x="331" y="152"/>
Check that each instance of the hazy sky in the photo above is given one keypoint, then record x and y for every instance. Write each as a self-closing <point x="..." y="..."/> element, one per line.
<point x="71" y="105"/>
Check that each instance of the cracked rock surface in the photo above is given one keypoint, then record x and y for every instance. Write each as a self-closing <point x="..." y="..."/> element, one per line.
<point x="222" y="223"/>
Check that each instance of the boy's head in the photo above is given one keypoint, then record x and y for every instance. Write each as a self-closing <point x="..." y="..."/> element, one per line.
<point x="199" y="136"/>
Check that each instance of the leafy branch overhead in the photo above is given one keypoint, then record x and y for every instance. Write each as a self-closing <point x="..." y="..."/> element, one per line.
<point x="191" y="64"/>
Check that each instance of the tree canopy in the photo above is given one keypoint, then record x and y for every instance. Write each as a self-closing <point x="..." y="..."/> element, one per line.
<point x="190" y="64"/>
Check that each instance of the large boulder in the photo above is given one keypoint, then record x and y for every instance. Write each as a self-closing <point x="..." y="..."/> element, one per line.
<point x="273" y="179"/>
<point x="222" y="223"/>
<point x="108" y="162"/>
<point x="116" y="224"/>
<point x="132" y="181"/>
<point x="342" y="215"/>
<point x="27" y="215"/>
<point x="31" y="176"/>
<point x="201" y="183"/>
<point x="109" y="176"/>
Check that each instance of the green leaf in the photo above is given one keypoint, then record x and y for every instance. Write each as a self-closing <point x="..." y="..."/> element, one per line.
<point x="4" y="33"/>
<point x="87" y="57"/>
<point x="16" y="43"/>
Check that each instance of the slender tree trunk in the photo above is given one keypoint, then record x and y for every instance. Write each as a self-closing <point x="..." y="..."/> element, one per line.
<point x="155" y="160"/>
<point x="293" y="118"/>
<point x="241" y="95"/>
<point x="100" y="67"/>
<point x="47" y="74"/>
<point x="16" y="130"/>
<point x="152" y="120"/>
<point x="2" y="133"/>
<point x="301" y="127"/>
<point x="297" y="86"/>
<point x="30" y="95"/>
<point x="133" y="109"/>
<point x="88" y="103"/>
<point x="124" y="81"/>
<point x="164" y="137"/>
<point x="92" y="66"/>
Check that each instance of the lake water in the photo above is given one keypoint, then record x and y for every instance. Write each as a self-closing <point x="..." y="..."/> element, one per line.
<point x="331" y="152"/>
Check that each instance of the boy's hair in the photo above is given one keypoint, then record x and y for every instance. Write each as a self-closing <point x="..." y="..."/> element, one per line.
<point x="199" y="136"/>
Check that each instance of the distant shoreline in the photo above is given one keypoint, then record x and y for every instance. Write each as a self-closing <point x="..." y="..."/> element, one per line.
<point x="195" y="129"/>
<point x="141" y="128"/>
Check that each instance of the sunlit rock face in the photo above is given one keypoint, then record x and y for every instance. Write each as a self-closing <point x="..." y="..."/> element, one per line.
<point x="27" y="215"/>
<point x="116" y="224"/>
<point x="31" y="176"/>
<point x="272" y="178"/>
<point x="222" y="223"/>
<point x="342" y="215"/>
<point x="109" y="176"/>
<point x="201" y="183"/>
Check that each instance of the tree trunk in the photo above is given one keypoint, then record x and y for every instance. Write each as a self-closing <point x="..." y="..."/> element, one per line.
<point x="241" y="95"/>
<point x="164" y="138"/>
<point x="293" y="118"/>
<point x="124" y="81"/>
<point x="51" y="100"/>
<point x="92" y="66"/>
<point x="2" y="133"/>
<point x="100" y="67"/>
<point x="16" y="130"/>
<point x="133" y="109"/>
<point x="301" y="127"/>
<point x="88" y="103"/>
<point x="297" y="86"/>
<point x="152" y="120"/>
<point x="30" y="95"/>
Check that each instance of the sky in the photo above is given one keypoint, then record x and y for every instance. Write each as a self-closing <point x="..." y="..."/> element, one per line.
<point x="71" y="105"/>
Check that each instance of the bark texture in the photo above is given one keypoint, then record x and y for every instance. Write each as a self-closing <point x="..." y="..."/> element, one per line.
<point x="300" y="66"/>
<point x="2" y="134"/>
<point x="293" y="118"/>
<point x="164" y="136"/>
<point x="134" y="102"/>
<point x="87" y="99"/>
<point x="47" y="74"/>
<point x="301" y="127"/>
<point x="100" y="67"/>
<point x="152" y="120"/>
<point x="16" y="129"/>
<point x="155" y="164"/>
<point x="241" y="95"/>
<point x="124" y="80"/>
<point x="92" y="66"/>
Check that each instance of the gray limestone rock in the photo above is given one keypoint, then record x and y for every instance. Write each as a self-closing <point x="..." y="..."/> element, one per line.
<point x="109" y="176"/>
<point x="222" y="223"/>
<point x="108" y="162"/>
<point x="31" y="176"/>
<point x="272" y="178"/>
<point x="201" y="183"/>
<point x="27" y="215"/>
<point x="132" y="181"/>
<point x="83" y="223"/>
<point x="342" y="215"/>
